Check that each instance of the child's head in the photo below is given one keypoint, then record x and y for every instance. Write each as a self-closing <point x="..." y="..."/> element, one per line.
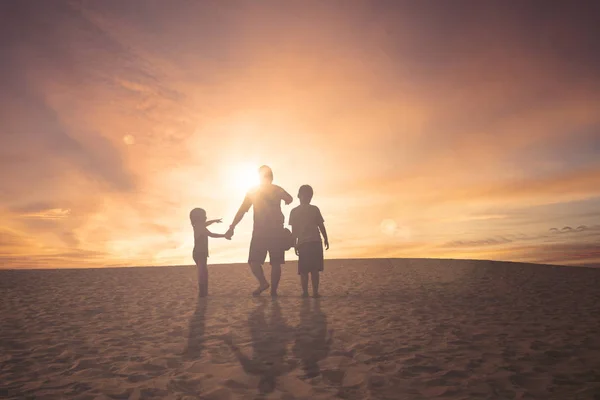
<point x="198" y="216"/>
<point x="305" y="194"/>
<point x="266" y="174"/>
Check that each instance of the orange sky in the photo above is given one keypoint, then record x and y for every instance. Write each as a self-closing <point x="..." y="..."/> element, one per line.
<point x="426" y="130"/>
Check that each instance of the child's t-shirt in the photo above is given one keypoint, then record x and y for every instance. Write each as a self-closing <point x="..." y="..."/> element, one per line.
<point x="200" y="240"/>
<point x="305" y="220"/>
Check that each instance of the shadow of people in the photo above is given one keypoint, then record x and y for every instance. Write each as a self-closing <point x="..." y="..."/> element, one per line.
<point x="269" y="346"/>
<point x="312" y="344"/>
<point x="195" y="344"/>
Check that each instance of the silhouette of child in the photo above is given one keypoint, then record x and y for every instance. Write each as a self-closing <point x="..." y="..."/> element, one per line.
<point x="307" y="227"/>
<point x="313" y="343"/>
<point x="200" y="253"/>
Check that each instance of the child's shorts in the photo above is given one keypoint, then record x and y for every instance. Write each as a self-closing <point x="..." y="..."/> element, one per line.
<point x="310" y="257"/>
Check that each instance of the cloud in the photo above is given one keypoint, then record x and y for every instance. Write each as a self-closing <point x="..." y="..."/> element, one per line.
<point x="68" y="259"/>
<point x="36" y="143"/>
<point x="569" y="230"/>
<point x="582" y="232"/>
<point x="13" y="241"/>
<point x="577" y="184"/>
<point x="53" y="213"/>
<point x="481" y="242"/>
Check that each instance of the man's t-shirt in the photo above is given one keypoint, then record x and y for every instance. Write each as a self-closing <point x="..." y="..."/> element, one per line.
<point x="305" y="220"/>
<point x="266" y="200"/>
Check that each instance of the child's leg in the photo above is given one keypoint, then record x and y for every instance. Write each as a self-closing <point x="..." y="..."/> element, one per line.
<point x="202" y="277"/>
<point x="205" y="280"/>
<point x="314" y="275"/>
<point x="304" y="283"/>
<point x="199" y="267"/>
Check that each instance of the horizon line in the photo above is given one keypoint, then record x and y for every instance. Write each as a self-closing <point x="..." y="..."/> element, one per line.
<point x="585" y="265"/>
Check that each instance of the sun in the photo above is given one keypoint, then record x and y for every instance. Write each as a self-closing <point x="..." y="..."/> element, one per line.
<point x="243" y="177"/>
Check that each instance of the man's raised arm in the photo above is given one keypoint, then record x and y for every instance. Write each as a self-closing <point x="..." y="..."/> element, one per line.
<point x="286" y="197"/>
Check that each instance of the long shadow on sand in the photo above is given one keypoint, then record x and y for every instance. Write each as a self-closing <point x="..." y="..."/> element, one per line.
<point x="270" y="338"/>
<point x="312" y="344"/>
<point x="195" y="344"/>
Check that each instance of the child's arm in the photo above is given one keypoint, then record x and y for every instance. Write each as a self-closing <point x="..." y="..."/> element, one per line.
<point x="324" y="233"/>
<point x="213" y="221"/>
<point x="321" y="224"/>
<point x="295" y="238"/>
<point x="217" y="235"/>
<point x="294" y="232"/>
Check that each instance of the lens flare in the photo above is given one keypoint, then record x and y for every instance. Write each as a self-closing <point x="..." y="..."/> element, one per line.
<point x="243" y="177"/>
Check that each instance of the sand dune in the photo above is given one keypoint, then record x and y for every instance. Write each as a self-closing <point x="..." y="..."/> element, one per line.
<point x="385" y="329"/>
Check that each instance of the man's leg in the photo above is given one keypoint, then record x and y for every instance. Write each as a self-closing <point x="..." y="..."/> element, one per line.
<point x="256" y="259"/>
<point x="276" y="259"/>
<point x="275" y="277"/>
<point x="258" y="272"/>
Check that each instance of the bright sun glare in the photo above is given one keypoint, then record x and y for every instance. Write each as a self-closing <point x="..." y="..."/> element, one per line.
<point x="244" y="177"/>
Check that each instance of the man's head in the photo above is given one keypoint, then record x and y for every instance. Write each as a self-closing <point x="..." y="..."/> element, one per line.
<point x="266" y="174"/>
<point x="305" y="194"/>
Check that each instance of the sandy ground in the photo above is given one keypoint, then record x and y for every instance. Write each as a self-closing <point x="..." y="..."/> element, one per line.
<point x="385" y="329"/>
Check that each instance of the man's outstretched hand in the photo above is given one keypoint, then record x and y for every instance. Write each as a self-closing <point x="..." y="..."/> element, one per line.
<point x="229" y="233"/>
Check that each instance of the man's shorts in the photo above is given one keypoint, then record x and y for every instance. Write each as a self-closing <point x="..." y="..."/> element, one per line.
<point x="261" y="245"/>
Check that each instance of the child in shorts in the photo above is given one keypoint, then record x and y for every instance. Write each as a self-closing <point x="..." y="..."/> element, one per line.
<point x="307" y="227"/>
<point x="200" y="253"/>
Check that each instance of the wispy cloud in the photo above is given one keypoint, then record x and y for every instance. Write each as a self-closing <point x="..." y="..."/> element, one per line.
<point x="579" y="229"/>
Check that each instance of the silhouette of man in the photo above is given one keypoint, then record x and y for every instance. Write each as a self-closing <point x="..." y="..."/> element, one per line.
<point x="269" y="347"/>
<point x="267" y="229"/>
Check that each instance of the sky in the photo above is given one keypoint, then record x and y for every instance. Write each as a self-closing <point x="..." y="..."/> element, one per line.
<point x="461" y="129"/>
